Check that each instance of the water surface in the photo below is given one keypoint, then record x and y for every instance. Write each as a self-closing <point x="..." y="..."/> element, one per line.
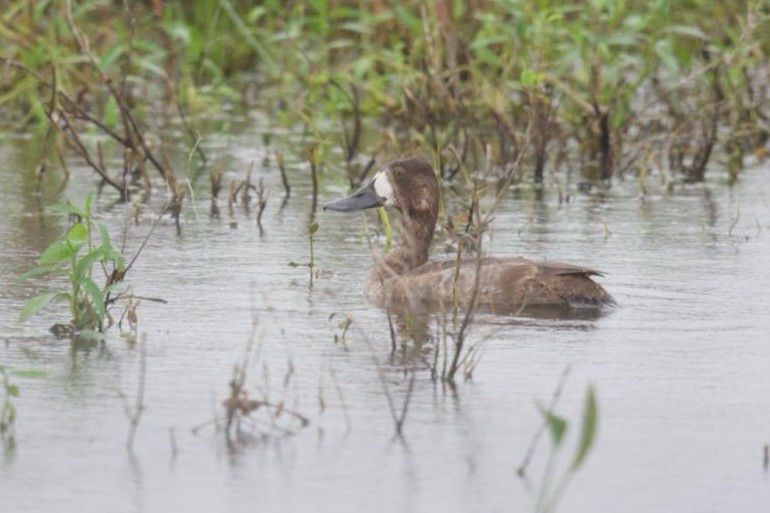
<point x="680" y="368"/>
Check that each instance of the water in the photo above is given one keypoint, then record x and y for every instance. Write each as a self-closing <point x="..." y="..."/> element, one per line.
<point x="680" y="369"/>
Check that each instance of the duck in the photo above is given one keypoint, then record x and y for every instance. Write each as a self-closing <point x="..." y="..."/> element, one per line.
<point x="405" y="277"/>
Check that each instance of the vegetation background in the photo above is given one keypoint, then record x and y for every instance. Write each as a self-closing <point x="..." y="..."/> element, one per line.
<point x="605" y="88"/>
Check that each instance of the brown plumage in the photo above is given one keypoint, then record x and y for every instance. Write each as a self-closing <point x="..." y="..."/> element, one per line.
<point x="504" y="285"/>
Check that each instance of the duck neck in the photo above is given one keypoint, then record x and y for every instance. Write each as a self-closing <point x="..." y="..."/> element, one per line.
<point x="412" y="249"/>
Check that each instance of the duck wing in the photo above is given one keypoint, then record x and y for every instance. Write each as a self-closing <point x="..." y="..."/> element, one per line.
<point x="507" y="284"/>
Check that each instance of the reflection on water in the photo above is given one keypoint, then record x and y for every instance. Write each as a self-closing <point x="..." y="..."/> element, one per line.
<point x="679" y="367"/>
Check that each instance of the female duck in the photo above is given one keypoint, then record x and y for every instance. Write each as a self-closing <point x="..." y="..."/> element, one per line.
<point x="504" y="285"/>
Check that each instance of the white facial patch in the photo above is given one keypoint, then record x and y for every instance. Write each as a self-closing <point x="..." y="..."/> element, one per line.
<point x="383" y="188"/>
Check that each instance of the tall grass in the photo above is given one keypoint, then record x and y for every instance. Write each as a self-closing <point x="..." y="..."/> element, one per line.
<point x="610" y="87"/>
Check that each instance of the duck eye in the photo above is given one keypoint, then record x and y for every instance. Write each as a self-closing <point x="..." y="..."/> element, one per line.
<point x="398" y="172"/>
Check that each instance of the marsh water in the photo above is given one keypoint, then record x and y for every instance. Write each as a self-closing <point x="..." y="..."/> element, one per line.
<point x="680" y="368"/>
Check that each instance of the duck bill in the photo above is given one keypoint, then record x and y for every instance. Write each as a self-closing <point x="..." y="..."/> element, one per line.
<point x="363" y="198"/>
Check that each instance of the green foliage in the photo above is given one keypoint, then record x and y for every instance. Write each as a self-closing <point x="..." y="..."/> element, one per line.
<point x="551" y="489"/>
<point x="85" y="245"/>
<point x="616" y="82"/>
<point x="11" y="391"/>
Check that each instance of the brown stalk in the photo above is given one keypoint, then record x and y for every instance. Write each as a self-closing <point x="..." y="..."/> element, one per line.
<point x="284" y="178"/>
<point x="262" y="195"/>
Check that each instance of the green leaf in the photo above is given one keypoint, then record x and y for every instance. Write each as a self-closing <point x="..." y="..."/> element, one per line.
<point x="105" y="235"/>
<point x="89" y="201"/>
<point x="557" y="426"/>
<point x="588" y="431"/>
<point x="557" y="16"/>
<point x="78" y="235"/>
<point x="12" y="390"/>
<point x="110" y="57"/>
<point x="37" y="271"/>
<point x="528" y="78"/>
<point x="83" y="266"/>
<point x="111" y="114"/>
<point x="97" y="298"/>
<point x="685" y="30"/>
<point x="34" y="305"/>
<point x="56" y="252"/>
<point x="67" y="208"/>
<point x="313" y="228"/>
<point x="29" y="373"/>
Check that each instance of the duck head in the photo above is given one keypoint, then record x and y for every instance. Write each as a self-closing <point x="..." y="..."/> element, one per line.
<point x="408" y="185"/>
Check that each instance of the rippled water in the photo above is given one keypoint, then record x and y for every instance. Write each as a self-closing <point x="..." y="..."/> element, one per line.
<point x="680" y="369"/>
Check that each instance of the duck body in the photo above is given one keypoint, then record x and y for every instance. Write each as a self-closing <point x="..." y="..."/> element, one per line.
<point x="404" y="279"/>
<point x="503" y="286"/>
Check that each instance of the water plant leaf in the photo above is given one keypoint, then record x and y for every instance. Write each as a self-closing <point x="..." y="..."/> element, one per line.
<point x="88" y="203"/>
<point x="97" y="297"/>
<point x="109" y="58"/>
<point x="77" y="235"/>
<point x="557" y="16"/>
<point x="37" y="271"/>
<point x="83" y="266"/>
<point x="105" y="235"/>
<point x="588" y="430"/>
<point x="528" y="78"/>
<point x="29" y="373"/>
<point x="557" y="426"/>
<point x="58" y="251"/>
<point x="67" y="209"/>
<point x="34" y="305"/>
<point x="12" y="390"/>
<point x="684" y="30"/>
<point x="313" y="228"/>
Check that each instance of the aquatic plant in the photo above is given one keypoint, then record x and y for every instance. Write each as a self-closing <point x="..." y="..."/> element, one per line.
<point x="343" y="326"/>
<point x="86" y="244"/>
<point x="250" y="415"/>
<point x="552" y="489"/>
<point x="7" y="409"/>
<point x="310" y="264"/>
